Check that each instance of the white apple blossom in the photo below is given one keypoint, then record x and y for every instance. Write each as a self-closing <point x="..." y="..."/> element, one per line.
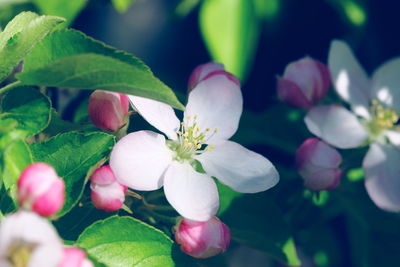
<point x="375" y="109"/>
<point x="27" y="240"/>
<point x="145" y="160"/>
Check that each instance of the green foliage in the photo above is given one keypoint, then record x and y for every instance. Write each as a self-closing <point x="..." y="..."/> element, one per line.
<point x="279" y="126"/>
<point x="28" y="108"/>
<point x="122" y="5"/>
<point x="256" y="221"/>
<point x="230" y="30"/>
<point x="20" y="36"/>
<point x="73" y="155"/>
<point x="134" y="244"/>
<point x="63" y="8"/>
<point x="16" y="158"/>
<point x="70" y="59"/>
<point x="372" y="231"/>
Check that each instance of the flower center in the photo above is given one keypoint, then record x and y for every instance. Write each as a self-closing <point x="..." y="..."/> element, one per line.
<point x="382" y="118"/>
<point x="19" y="255"/>
<point x="191" y="140"/>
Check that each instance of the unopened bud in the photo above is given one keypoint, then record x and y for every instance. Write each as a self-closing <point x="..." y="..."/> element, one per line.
<point x="41" y="190"/>
<point x="75" y="257"/>
<point x="107" y="194"/>
<point x="202" y="239"/>
<point x="205" y="71"/>
<point x="108" y="110"/>
<point x="304" y="83"/>
<point x="318" y="164"/>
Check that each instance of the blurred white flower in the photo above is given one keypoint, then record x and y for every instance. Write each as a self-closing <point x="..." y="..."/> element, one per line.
<point x="375" y="109"/>
<point x="28" y="240"/>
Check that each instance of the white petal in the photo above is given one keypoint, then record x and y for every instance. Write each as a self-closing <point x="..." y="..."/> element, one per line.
<point x="158" y="114"/>
<point x="349" y="78"/>
<point x="241" y="169"/>
<point x="194" y="195"/>
<point x="382" y="172"/>
<point x="27" y="228"/>
<point x="386" y="84"/>
<point x="46" y="256"/>
<point x="217" y="102"/>
<point x="336" y="126"/>
<point x="393" y="136"/>
<point x="139" y="160"/>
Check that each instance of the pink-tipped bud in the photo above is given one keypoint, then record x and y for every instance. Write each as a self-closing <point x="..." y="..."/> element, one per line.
<point x="108" y="110"/>
<point x="202" y="239"/>
<point x="304" y="83"/>
<point x="75" y="257"/>
<point x="205" y="71"/>
<point x="107" y="194"/>
<point x="41" y="190"/>
<point x="318" y="164"/>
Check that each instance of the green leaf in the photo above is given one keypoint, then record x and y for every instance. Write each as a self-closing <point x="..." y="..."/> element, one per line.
<point x="64" y="43"/>
<point x="29" y="108"/>
<point x="73" y="155"/>
<point x="58" y="125"/>
<point x="16" y="158"/>
<point x="64" y="8"/>
<point x="122" y="5"/>
<point x="124" y="241"/>
<point x="372" y="231"/>
<point x="230" y="30"/>
<point x="256" y="221"/>
<point x="20" y="36"/>
<point x="279" y="126"/>
<point x="70" y="59"/>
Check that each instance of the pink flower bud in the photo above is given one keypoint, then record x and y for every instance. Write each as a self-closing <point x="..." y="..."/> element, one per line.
<point x="108" y="110"/>
<point x="41" y="190"/>
<point x="202" y="239"/>
<point x="318" y="164"/>
<point x="205" y="71"/>
<point x="107" y="194"/>
<point x="75" y="257"/>
<point x="304" y="83"/>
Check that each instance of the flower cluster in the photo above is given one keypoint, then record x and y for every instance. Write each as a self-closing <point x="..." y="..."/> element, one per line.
<point x="28" y="240"/>
<point x="371" y="120"/>
<point x="195" y="150"/>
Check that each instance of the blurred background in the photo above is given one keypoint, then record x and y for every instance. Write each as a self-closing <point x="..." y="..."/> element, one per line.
<point x="256" y="39"/>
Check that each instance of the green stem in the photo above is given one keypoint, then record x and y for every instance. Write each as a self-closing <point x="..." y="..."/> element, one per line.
<point x="10" y="86"/>
<point x="155" y="195"/>
<point x="162" y="218"/>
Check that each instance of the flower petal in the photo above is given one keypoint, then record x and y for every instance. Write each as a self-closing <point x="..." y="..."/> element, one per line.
<point x="323" y="179"/>
<point x="241" y="169"/>
<point x="46" y="256"/>
<point x="292" y="94"/>
<point x="201" y="71"/>
<point x="217" y="102"/>
<point x="336" y="126"/>
<point x="158" y="114"/>
<point x="386" y="84"/>
<point x="382" y="169"/>
<point x="194" y="195"/>
<point x="350" y="80"/>
<point x="318" y="153"/>
<point x="139" y="160"/>
<point x="393" y="136"/>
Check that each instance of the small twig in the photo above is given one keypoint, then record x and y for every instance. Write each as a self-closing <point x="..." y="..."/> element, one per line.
<point x="10" y="86"/>
<point x="133" y="194"/>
